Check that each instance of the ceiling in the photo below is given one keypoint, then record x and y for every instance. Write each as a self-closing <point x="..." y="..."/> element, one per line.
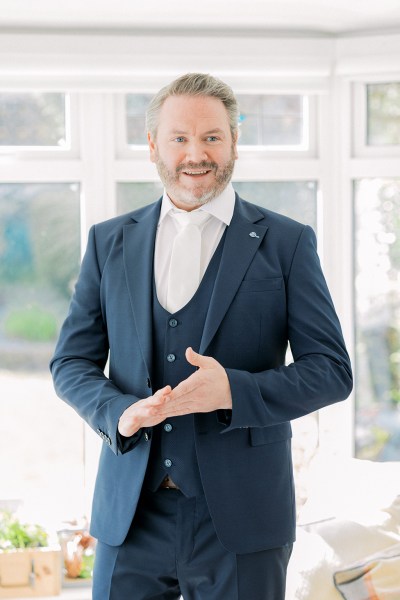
<point x="301" y="17"/>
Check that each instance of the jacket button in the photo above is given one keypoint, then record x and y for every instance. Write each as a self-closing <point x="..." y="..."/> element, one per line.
<point x="171" y="358"/>
<point x="146" y="436"/>
<point x="148" y="382"/>
<point x="168" y="462"/>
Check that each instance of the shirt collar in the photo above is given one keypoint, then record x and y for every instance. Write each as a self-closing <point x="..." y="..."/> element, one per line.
<point x="221" y="206"/>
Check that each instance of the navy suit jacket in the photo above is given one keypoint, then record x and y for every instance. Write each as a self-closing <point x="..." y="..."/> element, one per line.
<point x="269" y="291"/>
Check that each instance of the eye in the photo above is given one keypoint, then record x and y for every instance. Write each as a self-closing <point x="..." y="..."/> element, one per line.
<point x="179" y="139"/>
<point x="212" y="138"/>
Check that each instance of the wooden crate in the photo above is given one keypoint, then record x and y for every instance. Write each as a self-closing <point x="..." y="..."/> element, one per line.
<point x="30" y="572"/>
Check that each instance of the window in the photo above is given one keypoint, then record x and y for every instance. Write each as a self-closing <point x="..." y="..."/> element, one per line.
<point x="295" y="199"/>
<point x="377" y="277"/>
<point x="135" y="109"/>
<point x="376" y="114"/>
<point x="383" y="114"/>
<point x="134" y="195"/>
<point x="376" y="204"/>
<point x="274" y="121"/>
<point x="39" y="261"/>
<point x="34" y="120"/>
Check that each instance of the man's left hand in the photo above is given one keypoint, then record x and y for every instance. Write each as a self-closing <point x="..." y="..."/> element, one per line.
<point x="206" y="390"/>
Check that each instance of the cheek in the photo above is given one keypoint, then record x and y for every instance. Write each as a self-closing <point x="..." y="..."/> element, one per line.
<point x="166" y="165"/>
<point x="172" y="160"/>
<point x="223" y="155"/>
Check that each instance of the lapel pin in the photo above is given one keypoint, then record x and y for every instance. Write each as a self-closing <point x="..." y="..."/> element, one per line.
<point x="253" y="234"/>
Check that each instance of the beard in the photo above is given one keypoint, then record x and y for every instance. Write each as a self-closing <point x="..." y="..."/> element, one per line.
<point x="199" y="194"/>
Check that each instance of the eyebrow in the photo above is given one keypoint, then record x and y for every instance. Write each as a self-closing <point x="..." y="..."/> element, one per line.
<point x="215" y="131"/>
<point x="212" y="131"/>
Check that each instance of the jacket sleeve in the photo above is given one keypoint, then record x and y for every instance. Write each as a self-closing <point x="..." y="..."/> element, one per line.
<point x="81" y="355"/>
<point x="320" y="373"/>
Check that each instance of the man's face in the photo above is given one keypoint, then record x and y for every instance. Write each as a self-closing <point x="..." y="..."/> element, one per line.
<point x="193" y="149"/>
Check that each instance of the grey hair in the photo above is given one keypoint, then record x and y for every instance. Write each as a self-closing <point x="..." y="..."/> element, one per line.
<point x="194" y="84"/>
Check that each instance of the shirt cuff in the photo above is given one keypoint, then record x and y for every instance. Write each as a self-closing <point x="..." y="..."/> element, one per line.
<point x="125" y="444"/>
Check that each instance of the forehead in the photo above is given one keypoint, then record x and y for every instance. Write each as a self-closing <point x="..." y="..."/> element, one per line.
<point x="188" y="112"/>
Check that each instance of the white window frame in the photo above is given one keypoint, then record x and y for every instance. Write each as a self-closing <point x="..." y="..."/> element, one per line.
<point x="71" y="148"/>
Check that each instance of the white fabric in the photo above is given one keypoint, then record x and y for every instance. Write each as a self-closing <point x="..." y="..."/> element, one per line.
<point x="184" y="268"/>
<point x="221" y="210"/>
<point x="361" y="497"/>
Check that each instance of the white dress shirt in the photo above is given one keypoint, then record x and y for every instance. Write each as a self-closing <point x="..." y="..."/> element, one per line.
<point x="221" y="211"/>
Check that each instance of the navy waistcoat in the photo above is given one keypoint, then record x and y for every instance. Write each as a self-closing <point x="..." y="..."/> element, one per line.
<point x="173" y="449"/>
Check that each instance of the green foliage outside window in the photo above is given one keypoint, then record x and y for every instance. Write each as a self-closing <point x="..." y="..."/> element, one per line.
<point x="14" y="534"/>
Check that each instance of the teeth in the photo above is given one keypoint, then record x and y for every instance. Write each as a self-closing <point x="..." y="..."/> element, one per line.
<point x="195" y="172"/>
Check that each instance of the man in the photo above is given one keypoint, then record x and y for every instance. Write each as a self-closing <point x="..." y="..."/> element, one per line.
<point x="194" y="300"/>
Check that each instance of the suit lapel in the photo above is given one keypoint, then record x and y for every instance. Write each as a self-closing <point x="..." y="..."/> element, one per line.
<point x="243" y="238"/>
<point x="138" y="253"/>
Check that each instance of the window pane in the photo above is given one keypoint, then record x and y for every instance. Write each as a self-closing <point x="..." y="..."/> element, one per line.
<point x="377" y="278"/>
<point x="33" y="120"/>
<point x="295" y="199"/>
<point x="383" y="107"/>
<point x="134" y="195"/>
<point x="39" y="434"/>
<point x="136" y="105"/>
<point x="272" y="120"/>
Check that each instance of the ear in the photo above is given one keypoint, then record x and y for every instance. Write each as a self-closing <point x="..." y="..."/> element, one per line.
<point x="152" y="147"/>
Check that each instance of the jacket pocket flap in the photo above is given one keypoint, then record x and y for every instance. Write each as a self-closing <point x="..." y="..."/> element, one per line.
<point x="267" y="435"/>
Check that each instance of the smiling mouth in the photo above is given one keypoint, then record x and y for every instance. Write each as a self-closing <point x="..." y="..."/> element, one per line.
<point x="196" y="173"/>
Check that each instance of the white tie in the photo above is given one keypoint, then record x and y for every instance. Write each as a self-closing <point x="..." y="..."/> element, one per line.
<point x="184" y="269"/>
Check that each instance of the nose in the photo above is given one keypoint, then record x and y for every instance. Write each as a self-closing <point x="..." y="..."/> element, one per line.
<point x="196" y="152"/>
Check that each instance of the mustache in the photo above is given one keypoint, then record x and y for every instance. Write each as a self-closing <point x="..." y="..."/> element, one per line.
<point x="203" y="165"/>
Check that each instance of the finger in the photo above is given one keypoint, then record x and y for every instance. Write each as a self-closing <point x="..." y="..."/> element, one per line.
<point x="198" y="360"/>
<point x="156" y="403"/>
<point x="160" y="394"/>
<point x="176" y="410"/>
<point x="182" y="389"/>
<point x="158" y="399"/>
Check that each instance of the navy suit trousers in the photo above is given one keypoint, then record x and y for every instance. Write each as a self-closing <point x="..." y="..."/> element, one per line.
<point x="172" y="550"/>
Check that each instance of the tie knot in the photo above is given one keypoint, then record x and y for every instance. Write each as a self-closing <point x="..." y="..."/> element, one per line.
<point x="194" y="217"/>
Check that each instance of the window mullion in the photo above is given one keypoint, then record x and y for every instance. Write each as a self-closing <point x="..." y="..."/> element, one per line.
<point x="96" y="149"/>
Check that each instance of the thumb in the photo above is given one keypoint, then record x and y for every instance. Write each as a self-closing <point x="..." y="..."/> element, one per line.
<point x="198" y="360"/>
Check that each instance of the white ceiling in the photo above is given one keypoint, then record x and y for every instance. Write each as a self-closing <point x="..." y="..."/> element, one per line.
<point x="320" y="17"/>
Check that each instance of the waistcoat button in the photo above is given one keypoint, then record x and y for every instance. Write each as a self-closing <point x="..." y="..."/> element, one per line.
<point x="173" y="322"/>
<point x="171" y="358"/>
<point x="168" y="427"/>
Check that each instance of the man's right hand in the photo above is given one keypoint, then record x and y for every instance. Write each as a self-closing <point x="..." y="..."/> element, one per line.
<point x="143" y="413"/>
